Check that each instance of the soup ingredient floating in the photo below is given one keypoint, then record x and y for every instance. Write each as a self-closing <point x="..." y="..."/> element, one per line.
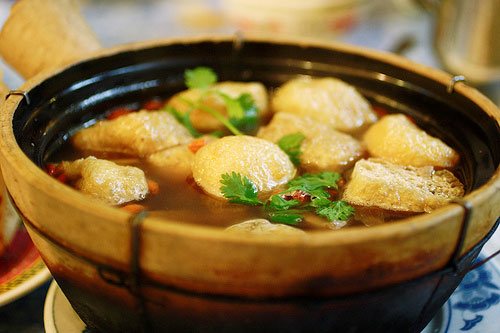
<point x="398" y="140"/>
<point x="210" y="106"/>
<point x="106" y="181"/>
<point x="259" y="227"/>
<point x="378" y="183"/>
<point x="136" y="133"/>
<point x="307" y="193"/>
<point x="327" y="100"/>
<point x="261" y="161"/>
<point x="322" y="149"/>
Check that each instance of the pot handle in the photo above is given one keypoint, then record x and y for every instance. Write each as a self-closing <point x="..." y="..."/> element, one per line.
<point x="39" y="36"/>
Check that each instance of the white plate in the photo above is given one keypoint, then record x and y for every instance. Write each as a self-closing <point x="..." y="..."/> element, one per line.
<point x="21" y="269"/>
<point x="473" y="307"/>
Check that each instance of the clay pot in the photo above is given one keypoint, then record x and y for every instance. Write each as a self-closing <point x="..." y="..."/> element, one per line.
<point x="158" y="274"/>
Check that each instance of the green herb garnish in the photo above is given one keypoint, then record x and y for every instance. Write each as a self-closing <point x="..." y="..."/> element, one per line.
<point x="290" y="144"/>
<point x="239" y="189"/>
<point x="184" y="119"/>
<point x="277" y="202"/>
<point x="312" y="181"/>
<point x="199" y="77"/>
<point x="315" y="184"/>
<point x="242" y="113"/>
<point x="335" y="211"/>
<point x="285" y="217"/>
<point x="287" y="207"/>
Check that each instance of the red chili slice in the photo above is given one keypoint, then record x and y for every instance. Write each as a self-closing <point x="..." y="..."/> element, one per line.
<point x="118" y="113"/>
<point x="196" y="144"/>
<point x="153" y="104"/>
<point x="380" y="111"/>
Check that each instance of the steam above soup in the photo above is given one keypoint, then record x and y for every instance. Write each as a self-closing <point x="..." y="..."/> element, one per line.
<point x="313" y="155"/>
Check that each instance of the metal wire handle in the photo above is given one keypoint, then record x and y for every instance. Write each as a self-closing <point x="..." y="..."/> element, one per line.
<point x="454" y="80"/>
<point x="20" y="93"/>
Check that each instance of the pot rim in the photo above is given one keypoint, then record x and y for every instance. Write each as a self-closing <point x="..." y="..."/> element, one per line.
<point x="11" y="153"/>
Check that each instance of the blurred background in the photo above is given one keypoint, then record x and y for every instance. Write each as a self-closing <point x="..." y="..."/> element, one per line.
<point x="465" y="32"/>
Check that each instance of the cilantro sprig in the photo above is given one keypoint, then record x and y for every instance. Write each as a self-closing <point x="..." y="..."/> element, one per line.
<point x="290" y="144"/>
<point x="315" y="184"/>
<point x="242" y="112"/>
<point x="184" y="119"/>
<point x="199" y="77"/>
<point x="239" y="189"/>
<point x="285" y="207"/>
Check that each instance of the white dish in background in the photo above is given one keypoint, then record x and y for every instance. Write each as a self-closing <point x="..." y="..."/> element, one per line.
<point x="58" y="315"/>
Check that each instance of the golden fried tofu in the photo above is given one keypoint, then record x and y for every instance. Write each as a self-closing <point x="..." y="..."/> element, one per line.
<point x="175" y="161"/>
<point x="259" y="227"/>
<point x="204" y="122"/>
<point x="137" y="134"/>
<point x="107" y="181"/>
<point x="261" y="161"/>
<point x="378" y="183"/>
<point x="327" y="100"/>
<point x="323" y="147"/>
<point x="398" y="140"/>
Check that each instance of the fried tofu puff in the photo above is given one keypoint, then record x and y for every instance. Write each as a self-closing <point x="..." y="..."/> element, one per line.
<point x="323" y="149"/>
<point x="381" y="184"/>
<point x="137" y="134"/>
<point x="261" y="161"/>
<point x="262" y="227"/>
<point x="204" y="122"/>
<point x="107" y="181"/>
<point x="327" y="100"/>
<point x="398" y="140"/>
<point x="177" y="161"/>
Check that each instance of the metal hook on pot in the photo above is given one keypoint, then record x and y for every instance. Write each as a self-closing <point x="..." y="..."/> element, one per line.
<point x="483" y="261"/>
<point x="467" y="206"/>
<point x="19" y="93"/>
<point x="454" y="80"/>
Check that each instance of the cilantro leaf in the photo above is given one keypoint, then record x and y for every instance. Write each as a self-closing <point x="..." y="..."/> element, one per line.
<point x="200" y="77"/>
<point x="336" y="211"/>
<point x="233" y="106"/>
<point x="276" y="202"/>
<point x="290" y="144"/>
<point x="242" y="111"/>
<point x="285" y="217"/>
<point x="319" y="202"/>
<point x="184" y="119"/>
<point x="239" y="189"/>
<point x="310" y="183"/>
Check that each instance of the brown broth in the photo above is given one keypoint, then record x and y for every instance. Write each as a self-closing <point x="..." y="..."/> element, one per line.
<point x="181" y="200"/>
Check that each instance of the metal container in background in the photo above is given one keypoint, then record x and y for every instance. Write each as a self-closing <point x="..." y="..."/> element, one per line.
<point x="467" y="38"/>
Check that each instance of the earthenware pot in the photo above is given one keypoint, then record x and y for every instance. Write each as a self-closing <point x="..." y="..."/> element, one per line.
<point x="122" y="273"/>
